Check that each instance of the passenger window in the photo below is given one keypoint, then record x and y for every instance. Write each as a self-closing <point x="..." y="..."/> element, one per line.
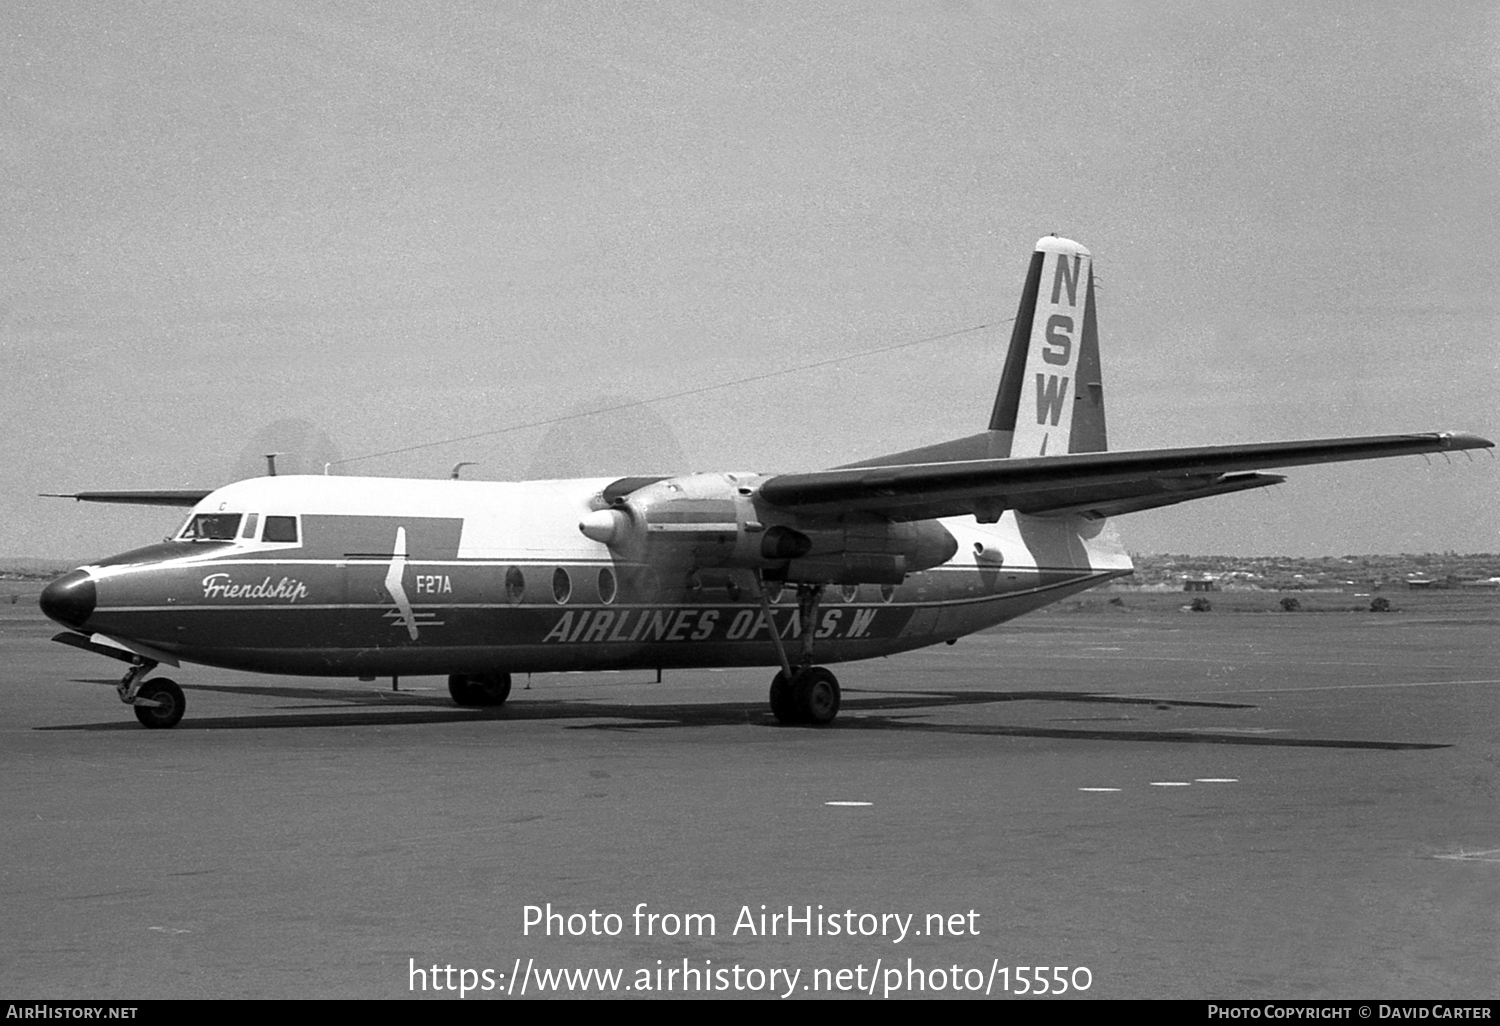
<point x="606" y="586"/>
<point x="280" y="529"/>
<point x="251" y="522"/>
<point x="515" y="584"/>
<point x="849" y="592"/>
<point x="562" y="585"/>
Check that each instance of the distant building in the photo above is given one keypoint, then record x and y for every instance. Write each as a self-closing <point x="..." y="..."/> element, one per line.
<point x="1418" y="583"/>
<point x="1204" y="583"/>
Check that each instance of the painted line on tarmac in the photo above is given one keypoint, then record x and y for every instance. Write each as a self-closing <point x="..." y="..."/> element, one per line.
<point x="1185" y="783"/>
<point x="1230" y="689"/>
<point x="849" y="805"/>
<point x="1079" y="656"/>
<point x="1493" y="855"/>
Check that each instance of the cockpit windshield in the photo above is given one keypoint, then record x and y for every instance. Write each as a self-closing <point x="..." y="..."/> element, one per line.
<point x="211" y="527"/>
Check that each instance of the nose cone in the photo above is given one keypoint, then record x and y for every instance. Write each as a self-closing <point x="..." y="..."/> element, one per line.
<point x="70" y="599"/>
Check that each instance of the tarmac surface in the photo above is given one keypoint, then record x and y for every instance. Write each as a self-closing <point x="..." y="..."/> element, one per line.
<point x="1277" y="805"/>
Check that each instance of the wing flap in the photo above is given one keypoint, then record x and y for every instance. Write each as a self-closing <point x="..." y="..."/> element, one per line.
<point x="1120" y="481"/>
<point x="1163" y="494"/>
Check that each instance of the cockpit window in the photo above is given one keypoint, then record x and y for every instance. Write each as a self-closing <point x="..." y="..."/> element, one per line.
<point x="280" y="529"/>
<point x="211" y="527"/>
<point x="250" y="524"/>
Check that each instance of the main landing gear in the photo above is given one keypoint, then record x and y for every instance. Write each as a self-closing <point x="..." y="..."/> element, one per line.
<point x="485" y="690"/>
<point x="805" y="693"/>
<point x="810" y="696"/>
<point x="158" y="703"/>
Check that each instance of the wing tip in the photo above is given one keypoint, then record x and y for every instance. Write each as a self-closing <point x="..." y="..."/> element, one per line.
<point x="1464" y="440"/>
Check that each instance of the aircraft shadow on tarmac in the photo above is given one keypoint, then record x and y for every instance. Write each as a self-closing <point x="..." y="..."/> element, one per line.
<point x="862" y="711"/>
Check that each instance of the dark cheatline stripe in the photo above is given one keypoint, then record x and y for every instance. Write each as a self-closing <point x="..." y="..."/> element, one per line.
<point x="334" y="535"/>
<point x="161" y="551"/>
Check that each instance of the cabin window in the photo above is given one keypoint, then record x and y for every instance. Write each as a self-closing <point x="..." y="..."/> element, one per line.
<point x="850" y="592"/>
<point x="887" y="592"/>
<point x="211" y="527"/>
<point x="515" y="584"/>
<point x="562" y="585"/>
<point x="774" y="592"/>
<point x="280" y="529"/>
<point x="606" y="586"/>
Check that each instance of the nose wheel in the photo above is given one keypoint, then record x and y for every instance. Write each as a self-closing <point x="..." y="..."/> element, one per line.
<point x="159" y="703"/>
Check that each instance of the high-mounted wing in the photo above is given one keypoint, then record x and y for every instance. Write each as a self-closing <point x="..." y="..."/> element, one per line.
<point x="1093" y="484"/>
<point x="149" y="498"/>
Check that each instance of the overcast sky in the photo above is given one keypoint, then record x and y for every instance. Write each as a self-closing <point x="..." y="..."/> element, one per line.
<point x="391" y="224"/>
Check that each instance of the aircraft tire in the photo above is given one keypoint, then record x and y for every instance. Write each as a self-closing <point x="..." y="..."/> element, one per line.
<point x="783" y="700"/>
<point x="816" y="696"/>
<point x="160" y="717"/>
<point x="488" y="690"/>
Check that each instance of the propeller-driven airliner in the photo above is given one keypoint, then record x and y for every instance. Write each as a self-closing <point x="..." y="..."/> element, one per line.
<point x="477" y="580"/>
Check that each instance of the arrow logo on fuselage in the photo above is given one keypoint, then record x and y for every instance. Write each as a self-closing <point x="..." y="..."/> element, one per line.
<point x="396" y="588"/>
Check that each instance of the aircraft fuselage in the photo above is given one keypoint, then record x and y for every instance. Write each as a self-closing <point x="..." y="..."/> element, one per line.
<point x="374" y="576"/>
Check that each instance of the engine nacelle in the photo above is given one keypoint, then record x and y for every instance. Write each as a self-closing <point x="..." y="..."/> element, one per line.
<point x="714" y="520"/>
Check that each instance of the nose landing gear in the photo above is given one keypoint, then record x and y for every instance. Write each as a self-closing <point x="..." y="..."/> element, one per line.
<point x="805" y="693"/>
<point x="158" y="703"/>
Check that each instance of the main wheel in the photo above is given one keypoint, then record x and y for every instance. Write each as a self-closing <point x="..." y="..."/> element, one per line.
<point x="783" y="699"/>
<point x="168" y="704"/>
<point x="488" y="690"/>
<point x="816" y="696"/>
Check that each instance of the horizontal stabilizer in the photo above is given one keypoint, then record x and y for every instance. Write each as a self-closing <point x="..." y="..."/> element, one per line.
<point x="148" y="498"/>
<point x="1126" y="481"/>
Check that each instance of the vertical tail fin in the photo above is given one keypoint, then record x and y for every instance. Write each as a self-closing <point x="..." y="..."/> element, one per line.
<point x="1051" y="397"/>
